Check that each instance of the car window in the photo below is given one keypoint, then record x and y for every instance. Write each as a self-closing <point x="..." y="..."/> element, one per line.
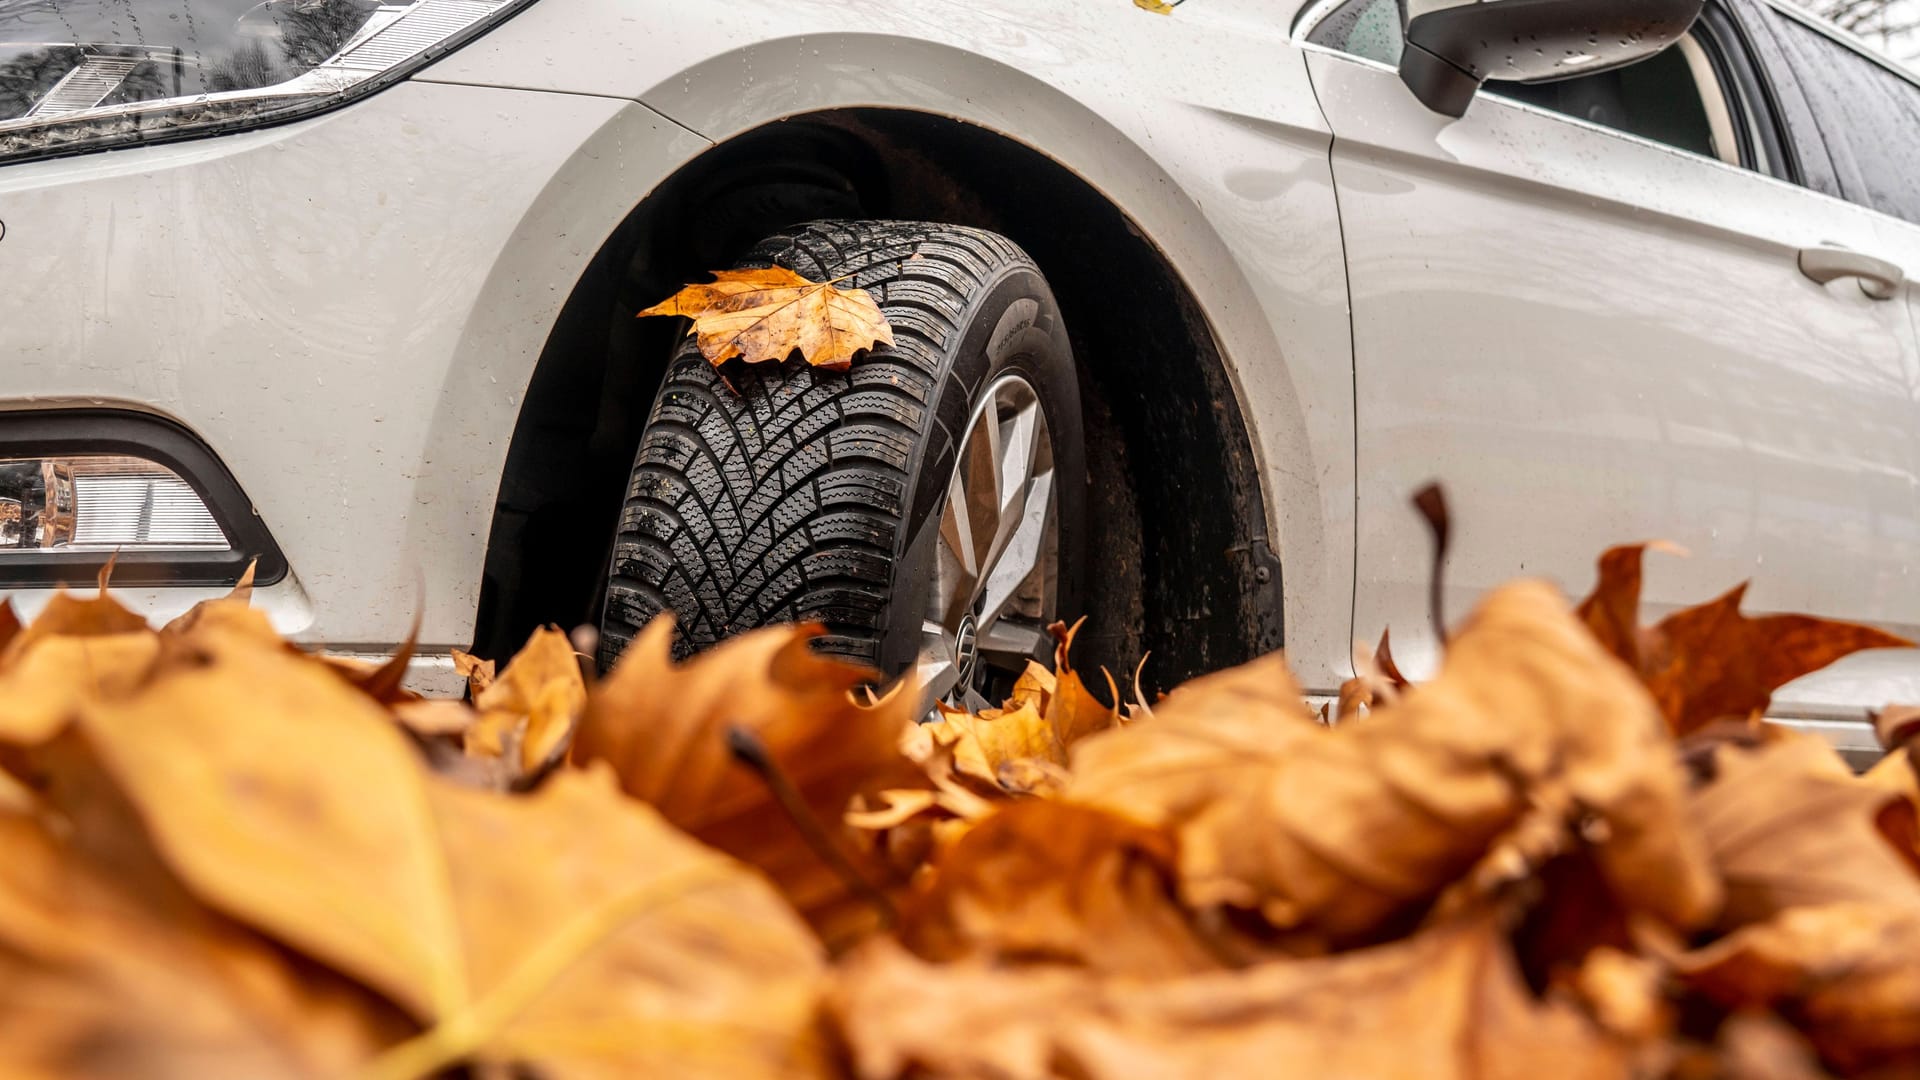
<point x="1365" y="28"/>
<point x="1869" y="115"/>
<point x="1673" y="97"/>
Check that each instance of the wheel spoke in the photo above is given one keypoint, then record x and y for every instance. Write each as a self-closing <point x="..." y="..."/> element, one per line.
<point x="937" y="673"/>
<point x="1010" y="643"/>
<point x="1014" y="476"/>
<point x="995" y="549"/>
<point x="959" y="562"/>
<point x="1020" y="572"/>
<point x="982" y="492"/>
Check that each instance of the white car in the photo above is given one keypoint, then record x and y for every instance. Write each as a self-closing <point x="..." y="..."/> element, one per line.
<point x="1188" y="298"/>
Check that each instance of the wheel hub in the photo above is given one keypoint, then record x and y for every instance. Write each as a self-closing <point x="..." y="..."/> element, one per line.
<point x="966" y="648"/>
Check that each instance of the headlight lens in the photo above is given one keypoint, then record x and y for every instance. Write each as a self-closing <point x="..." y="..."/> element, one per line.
<point x="77" y="74"/>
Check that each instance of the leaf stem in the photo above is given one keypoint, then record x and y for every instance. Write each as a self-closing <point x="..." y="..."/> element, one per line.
<point x="468" y="1031"/>
<point x="748" y="750"/>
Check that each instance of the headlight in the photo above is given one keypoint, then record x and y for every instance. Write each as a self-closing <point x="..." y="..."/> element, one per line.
<point x="100" y="502"/>
<point x="81" y="486"/>
<point x="79" y="74"/>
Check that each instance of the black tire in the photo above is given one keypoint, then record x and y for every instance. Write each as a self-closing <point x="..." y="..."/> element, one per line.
<point x="796" y="498"/>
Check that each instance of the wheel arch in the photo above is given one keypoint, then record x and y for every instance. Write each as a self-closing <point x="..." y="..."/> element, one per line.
<point x="1175" y="465"/>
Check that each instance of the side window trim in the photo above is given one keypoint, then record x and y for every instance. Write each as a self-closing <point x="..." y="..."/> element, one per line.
<point x="1731" y="135"/>
<point x="1764" y="147"/>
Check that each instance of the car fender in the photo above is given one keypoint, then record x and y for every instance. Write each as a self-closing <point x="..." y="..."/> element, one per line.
<point x="1190" y="162"/>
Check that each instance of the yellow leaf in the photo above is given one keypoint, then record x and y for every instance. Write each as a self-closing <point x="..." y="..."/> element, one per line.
<point x="477" y="672"/>
<point x="1034" y="686"/>
<point x="542" y="684"/>
<point x="1072" y="711"/>
<point x="285" y="796"/>
<point x="765" y="315"/>
<point x="1045" y="880"/>
<point x="66" y="615"/>
<point x="898" y="805"/>
<point x="104" y="973"/>
<point x="1047" y="712"/>
<point x="599" y="941"/>
<point x="1898" y="820"/>
<point x="79" y="650"/>
<point x="663" y="727"/>
<point x="983" y="744"/>
<point x="383" y="681"/>
<point x="1262" y="693"/>
<point x="514" y="928"/>
<point x="43" y="686"/>
<point x="182" y="640"/>
<point x="240" y="597"/>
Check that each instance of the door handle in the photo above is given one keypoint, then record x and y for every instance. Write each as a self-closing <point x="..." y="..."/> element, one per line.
<point x="1878" y="278"/>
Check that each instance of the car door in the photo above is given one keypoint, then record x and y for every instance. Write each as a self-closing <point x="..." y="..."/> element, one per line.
<point x="1854" y="118"/>
<point x="1584" y="312"/>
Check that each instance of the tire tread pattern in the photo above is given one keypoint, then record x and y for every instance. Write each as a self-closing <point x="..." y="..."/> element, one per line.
<point x="783" y="498"/>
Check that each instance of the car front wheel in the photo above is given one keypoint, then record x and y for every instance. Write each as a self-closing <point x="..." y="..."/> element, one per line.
<point x="926" y="505"/>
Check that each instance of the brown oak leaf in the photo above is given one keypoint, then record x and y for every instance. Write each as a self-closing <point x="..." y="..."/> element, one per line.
<point x="1710" y="661"/>
<point x="1350" y="831"/>
<point x="1847" y="975"/>
<point x="1789" y="825"/>
<point x="1446" y="1004"/>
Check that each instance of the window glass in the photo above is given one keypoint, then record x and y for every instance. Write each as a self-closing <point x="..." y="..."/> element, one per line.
<point x="1658" y="98"/>
<point x="1364" y="28"/>
<point x="1869" y="115"/>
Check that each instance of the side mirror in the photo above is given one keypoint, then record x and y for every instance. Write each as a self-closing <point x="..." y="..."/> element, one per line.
<point x="1452" y="46"/>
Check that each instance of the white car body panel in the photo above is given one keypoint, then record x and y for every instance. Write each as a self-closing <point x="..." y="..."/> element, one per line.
<point x="1225" y="172"/>
<point x="1593" y="338"/>
<point x="347" y="309"/>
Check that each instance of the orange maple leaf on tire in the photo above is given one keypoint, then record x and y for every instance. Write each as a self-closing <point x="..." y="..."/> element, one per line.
<point x="764" y="315"/>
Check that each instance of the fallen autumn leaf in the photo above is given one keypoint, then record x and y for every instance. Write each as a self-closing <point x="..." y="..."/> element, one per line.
<point x="1570" y="853"/>
<point x="762" y="316"/>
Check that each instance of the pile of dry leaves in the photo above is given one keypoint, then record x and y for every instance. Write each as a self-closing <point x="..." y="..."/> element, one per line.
<point x="1572" y="853"/>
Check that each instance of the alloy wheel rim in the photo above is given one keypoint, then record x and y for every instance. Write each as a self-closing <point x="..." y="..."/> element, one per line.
<point x="997" y="551"/>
